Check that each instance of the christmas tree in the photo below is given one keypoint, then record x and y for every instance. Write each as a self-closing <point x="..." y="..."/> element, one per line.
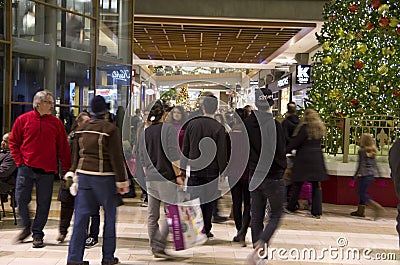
<point x="357" y="70"/>
<point x="183" y="98"/>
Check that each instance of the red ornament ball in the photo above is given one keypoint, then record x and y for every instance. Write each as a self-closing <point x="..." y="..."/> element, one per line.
<point x="383" y="22"/>
<point x="354" y="102"/>
<point x="369" y="26"/>
<point x="375" y="4"/>
<point x="396" y="93"/>
<point x="398" y="30"/>
<point x="353" y="8"/>
<point x="359" y="64"/>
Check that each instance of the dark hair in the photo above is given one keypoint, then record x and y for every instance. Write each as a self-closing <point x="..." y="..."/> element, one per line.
<point x="156" y="112"/>
<point x="78" y="119"/>
<point x="210" y="104"/>
<point x="183" y="113"/>
<point x="242" y="113"/>
<point x="291" y="107"/>
<point x="137" y="111"/>
<point x="221" y="117"/>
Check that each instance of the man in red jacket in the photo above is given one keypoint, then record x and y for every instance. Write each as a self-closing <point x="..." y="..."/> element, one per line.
<point x="37" y="143"/>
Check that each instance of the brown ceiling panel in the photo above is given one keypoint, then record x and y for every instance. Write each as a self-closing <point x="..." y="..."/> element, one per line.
<point x="213" y="40"/>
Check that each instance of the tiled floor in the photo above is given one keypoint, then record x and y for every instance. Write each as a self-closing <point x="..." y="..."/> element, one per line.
<point x="297" y="234"/>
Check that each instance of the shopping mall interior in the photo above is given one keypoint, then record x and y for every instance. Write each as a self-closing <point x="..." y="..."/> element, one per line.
<point x="132" y="52"/>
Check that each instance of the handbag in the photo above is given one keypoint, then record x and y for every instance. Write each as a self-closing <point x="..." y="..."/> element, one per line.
<point x="186" y="224"/>
<point x="131" y="163"/>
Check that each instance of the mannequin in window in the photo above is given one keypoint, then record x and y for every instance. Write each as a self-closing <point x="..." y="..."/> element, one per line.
<point x="74" y="31"/>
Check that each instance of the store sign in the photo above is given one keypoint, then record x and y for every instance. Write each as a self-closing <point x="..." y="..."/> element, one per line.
<point x="122" y="75"/>
<point x="303" y="74"/>
<point x="284" y="82"/>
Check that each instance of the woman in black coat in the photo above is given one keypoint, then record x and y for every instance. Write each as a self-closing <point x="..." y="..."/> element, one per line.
<point x="309" y="164"/>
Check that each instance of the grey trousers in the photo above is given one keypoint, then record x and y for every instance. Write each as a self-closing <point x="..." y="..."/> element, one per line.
<point x="158" y="192"/>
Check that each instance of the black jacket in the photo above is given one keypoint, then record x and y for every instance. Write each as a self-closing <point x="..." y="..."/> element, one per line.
<point x="197" y="129"/>
<point x="157" y="150"/>
<point x="8" y="171"/>
<point x="264" y="122"/>
<point x="309" y="163"/>
<point x="289" y="125"/>
<point x="394" y="163"/>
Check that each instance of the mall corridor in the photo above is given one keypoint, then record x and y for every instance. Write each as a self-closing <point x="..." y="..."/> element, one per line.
<point x="296" y="234"/>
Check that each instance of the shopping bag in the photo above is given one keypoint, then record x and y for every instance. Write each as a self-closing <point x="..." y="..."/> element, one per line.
<point x="223" y="184"/>
<point x="186" y="223"/>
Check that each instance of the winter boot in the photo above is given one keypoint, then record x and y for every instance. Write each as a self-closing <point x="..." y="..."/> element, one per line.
<point x="378" y="209"/>
<point x="360" y="211"/>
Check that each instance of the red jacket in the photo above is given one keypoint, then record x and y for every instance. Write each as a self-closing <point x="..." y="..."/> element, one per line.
<point x="39" y="142"/>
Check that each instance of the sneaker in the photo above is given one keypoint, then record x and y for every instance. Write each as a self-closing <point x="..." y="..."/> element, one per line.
<point x="91" y="242"/>
<point x="38" y="243"/>
<point x="144" y="204"/>
<point x="115" y="261"/>
<point x="24" y="234"/>
<point x="210" y="235"/>
<point x="61" y="238"/>
<point x="161" y="255"/>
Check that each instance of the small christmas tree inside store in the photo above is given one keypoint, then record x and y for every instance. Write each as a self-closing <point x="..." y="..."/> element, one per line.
<point x="357" y="71"/>
<point x="183" y="98"/>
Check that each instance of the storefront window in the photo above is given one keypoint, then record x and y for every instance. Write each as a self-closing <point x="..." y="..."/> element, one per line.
<point x="114" y="84"/>
<point x="26" y="19"/>
<point x="73" y="31"/>
<point x="2" y="19"/>
<point x="83" y="7"/>
<point x="28" y="78"/>
<point x="73" y="90"/>
<point x="114" y="37"/>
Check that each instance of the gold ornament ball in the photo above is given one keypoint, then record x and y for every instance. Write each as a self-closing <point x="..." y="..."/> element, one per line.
<point x="374" y="89"/>
<point x="360" y="110"/>
<point x="383" y="70"/>
<point x="362" y="48"/>
<point x="393" y="22"/>
<point x="327" y="60"/>
<point x="340" y="32"/>
<point x="373" y="103"/>
<point x="350" y="36"/>
<point x="383" y="8"/>
<point x="326" y="46"/>
<point x="360" y="78"/>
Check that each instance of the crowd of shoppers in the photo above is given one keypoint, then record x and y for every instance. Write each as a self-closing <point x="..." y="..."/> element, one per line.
<point x="169" y="148"/>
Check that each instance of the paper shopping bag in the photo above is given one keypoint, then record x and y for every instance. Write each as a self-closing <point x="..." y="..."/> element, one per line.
<point x="186" y="223"/>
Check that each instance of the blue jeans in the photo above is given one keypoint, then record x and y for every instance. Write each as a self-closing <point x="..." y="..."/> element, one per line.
<point x="274" y="191"/>
<point x="23" y="195"/>
<point x="93" y="191"/>
<point x="365" y="181"/>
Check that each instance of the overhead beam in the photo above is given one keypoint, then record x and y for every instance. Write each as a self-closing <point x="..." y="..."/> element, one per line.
<point x="294" y="10"/>
<point x="234" y="23"/>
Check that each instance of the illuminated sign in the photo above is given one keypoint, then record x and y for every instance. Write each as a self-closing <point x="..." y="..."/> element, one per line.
<point x="123" y="75"/>
<point x="303" y="74"/>
<point x="283" y="82"/>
